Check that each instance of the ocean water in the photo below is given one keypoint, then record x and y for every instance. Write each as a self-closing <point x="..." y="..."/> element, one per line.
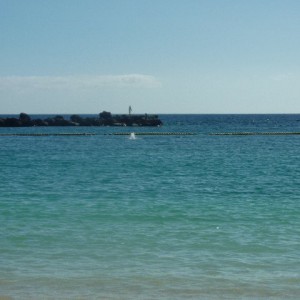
<point x="156" y="217"/>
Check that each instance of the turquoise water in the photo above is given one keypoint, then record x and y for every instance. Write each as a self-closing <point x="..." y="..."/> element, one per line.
<point x="158" y="217"/>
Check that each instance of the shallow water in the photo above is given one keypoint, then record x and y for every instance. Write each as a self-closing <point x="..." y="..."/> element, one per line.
<point x="157" y="217"/>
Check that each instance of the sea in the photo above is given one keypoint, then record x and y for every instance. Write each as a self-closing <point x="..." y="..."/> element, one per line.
<point x="168" y="217"/>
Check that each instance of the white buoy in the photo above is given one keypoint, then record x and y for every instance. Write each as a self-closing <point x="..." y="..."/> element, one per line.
<point x="132" y="136"/>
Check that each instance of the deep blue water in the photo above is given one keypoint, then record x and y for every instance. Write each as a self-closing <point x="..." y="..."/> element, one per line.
<point x="158" y="217"/>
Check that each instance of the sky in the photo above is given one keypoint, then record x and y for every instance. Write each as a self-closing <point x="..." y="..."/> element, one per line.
<point x="159" y="56"/>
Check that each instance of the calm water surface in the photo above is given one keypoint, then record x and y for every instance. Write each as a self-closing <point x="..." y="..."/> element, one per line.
<point x="158" y="217"/>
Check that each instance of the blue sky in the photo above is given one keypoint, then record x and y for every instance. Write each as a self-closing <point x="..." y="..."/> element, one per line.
<point x="159" y="56"/>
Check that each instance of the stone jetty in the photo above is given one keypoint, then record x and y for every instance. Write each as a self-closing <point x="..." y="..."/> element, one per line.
<point x="103" y="119"/>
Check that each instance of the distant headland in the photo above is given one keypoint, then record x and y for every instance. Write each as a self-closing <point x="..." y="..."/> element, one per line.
<point x="103" y="119"/>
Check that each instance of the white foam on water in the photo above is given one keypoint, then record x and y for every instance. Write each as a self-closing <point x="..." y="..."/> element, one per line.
<point x="132" y="136"/>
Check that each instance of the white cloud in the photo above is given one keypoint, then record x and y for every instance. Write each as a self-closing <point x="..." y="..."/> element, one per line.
<point x="23" y="83"/>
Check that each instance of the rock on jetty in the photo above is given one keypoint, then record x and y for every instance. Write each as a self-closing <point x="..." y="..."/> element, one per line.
<point x="103" y="119"/>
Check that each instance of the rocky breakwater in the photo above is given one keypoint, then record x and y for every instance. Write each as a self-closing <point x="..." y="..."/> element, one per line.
<point x="103" y="119"/>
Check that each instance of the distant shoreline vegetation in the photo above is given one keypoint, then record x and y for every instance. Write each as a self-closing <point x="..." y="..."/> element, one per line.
<point x="104" y="119"/>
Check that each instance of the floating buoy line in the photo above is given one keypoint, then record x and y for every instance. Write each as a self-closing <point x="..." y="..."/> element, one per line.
<point x="46" y="134"/>
<point x="152" y="134"/>
<point x="256" y="133"/>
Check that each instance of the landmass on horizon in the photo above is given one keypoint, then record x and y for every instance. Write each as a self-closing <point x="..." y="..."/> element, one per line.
<point x="104" y="119"/>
